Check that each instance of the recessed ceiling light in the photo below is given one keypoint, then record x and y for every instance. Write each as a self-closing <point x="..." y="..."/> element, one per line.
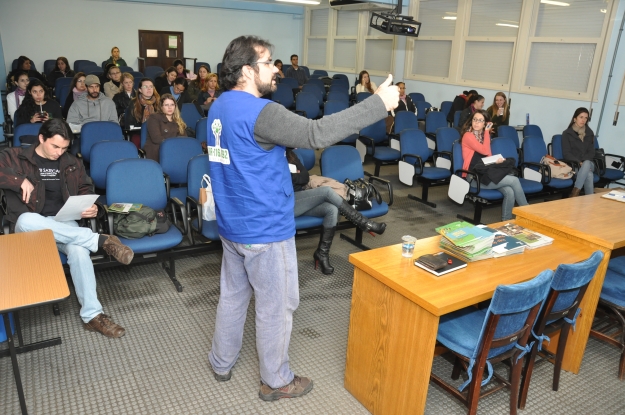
<point x="449" y="17"/>
<point x="554" y="3"/>
<point x="506" y="24"/>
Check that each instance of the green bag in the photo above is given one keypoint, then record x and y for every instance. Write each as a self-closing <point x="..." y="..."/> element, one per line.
<point x="137" y="224"/>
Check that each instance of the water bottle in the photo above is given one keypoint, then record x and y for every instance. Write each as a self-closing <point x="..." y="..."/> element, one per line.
<point x="527" y="118"/>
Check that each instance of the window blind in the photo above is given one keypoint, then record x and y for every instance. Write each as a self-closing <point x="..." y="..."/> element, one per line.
<point x="344" y="53"/>
<point x="431" y="15"/>
<point x="319" y="22"/>
<point x="378" y="54"/>
<point x="487" y="61"/>
<point x="431" y="58"/>
<point x="582" y="18"/>
<point x="317" y="52"/>
<point x="562" y="66"/>
<point x="347" y="23"/>
<point x="495" y="18"/>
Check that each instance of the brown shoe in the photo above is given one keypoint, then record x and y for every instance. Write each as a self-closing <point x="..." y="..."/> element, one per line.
<point x="575" y="192"/>
<point x="115" y="248"/>
<point x="299" y="386"/>
<point x="103" y="324"/>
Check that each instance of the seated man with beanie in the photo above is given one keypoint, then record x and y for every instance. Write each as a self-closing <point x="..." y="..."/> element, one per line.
<point x="37" y="181"/>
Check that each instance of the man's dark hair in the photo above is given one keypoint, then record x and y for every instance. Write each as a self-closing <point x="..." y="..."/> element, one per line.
<point x="56" y="126"/>
<point x="181" y="81"/>
<point x="294" y="56"/>
<point x="242" y="51"/>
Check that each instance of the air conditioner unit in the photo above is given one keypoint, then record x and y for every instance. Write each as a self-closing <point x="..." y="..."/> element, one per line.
<point x="378" y="5"/>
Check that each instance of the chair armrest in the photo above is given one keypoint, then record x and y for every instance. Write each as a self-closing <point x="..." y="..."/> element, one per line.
<point x="167" y="184"/>
<point x="176" y="204"/>
<point x="475" y="178"/>
<point x="544" y="170"/>
<point x="194" y="206"/>
<point x="109" y="219"/>
<point x="388" y="184"/>
<point x="368" y="141"/>
<point x="599" y="166"/>
<point x="142" y="154"/>
<point x="418" y="162"/>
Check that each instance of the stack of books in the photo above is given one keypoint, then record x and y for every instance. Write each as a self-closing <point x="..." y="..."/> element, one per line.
<point x="504" y="245"/>
<point x="532" y="239"/>
<point x="466" y="241"/>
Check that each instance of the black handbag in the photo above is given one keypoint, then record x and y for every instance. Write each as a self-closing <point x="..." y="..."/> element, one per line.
<point x="359" y="193"/>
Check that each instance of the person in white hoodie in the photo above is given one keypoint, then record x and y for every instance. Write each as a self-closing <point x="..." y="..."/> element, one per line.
<point x="92" y="106"/>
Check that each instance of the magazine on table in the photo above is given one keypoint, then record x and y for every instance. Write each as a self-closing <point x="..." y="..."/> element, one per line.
<point x="504" y="244"/>
<point x="531" y="238"/>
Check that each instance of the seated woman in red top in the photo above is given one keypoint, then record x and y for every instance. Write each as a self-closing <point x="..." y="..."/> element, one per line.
<point x="475" y="145"/>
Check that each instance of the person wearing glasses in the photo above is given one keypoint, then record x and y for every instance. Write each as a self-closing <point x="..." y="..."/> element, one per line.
<point x="475" y="103"/>
<point x="76" y="89"/>
<point x="476" y="145"/>
<point x="113" y="86"/>
<point x="146" y="103"/>
<point x="246" y="141"/>
<point x="92" y="106"/>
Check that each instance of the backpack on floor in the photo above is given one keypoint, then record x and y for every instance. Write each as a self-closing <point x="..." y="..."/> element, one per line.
<point x="137" y="224"/>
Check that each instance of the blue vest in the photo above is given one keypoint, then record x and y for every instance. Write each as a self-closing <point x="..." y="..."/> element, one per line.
<point x="252" y="186"/>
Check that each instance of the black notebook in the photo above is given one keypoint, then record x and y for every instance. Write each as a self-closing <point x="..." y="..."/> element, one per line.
<point x="454" y="265"/>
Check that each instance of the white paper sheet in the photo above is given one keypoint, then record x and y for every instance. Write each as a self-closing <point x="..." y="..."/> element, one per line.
<point x="75" y="205"/>
<point x="491" y="159"/>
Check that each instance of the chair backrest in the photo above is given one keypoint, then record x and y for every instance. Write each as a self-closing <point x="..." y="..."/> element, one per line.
<point x="416" y="97"/>
<point x="152" y="71"/>
<point x="190" y="114"/>
<point x="137" y="74"/>
<point x="435" y="120"/>
<point x="456" y="157"/>
<point x="377" y="131"/>
<point x="103" y="154"/>
<point x="174" y="156"/>
<point x="137" y="82"/>
<point x="291" y="82"/>
<point x="361" y="96"/>
<point x="534" y="149"/>
<point x="320" y="72"/>
<point x="339" y="85"/>
<point x="197" y="168"/>
<point x="126" y="69"/>
<point x="413" y="141"/>
<point x="97" y="131"/>
<point x="446" y="107"/>
<point x="80" y="64"/>
<point x="198" y="64"/>
<point x="338" y="95"/>
<point x="309" y="103"/>
<point x="421" y="107"/>
<point x="306" y="156"/>
<point x="403" y="120"/>
<point x="445" y="137"/>
<point x="146" y="187"/>
<point x="306" y="70"/>
<point x="341" y="162"/>
<point x="509" y="132"/>
<point x="333" y="106"/>
<point x="341" y="77"/>
<point x="532" y="129"/>
<point x="62" y="82"/>
<point x="283" y="95"/>
<point x="25" y="129"/>
<point x="506" y="147"/>
<point x="314" y="89"/>
<point x="201" y="130"/>
<point x="319" y="83"/>
<point x="556" y="146"/>
<point x="457" y="119"/>
<point x="62" y="92"/>
<point x="315" y="76"/>
<point x="144" y="133"/>
<point x="48" y="66"/>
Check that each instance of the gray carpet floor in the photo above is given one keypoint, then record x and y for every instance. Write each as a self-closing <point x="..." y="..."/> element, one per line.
<point x="161" y="366"/>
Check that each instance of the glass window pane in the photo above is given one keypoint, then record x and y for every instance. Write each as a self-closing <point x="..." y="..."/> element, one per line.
<point x="317" y="52"/>
<point x="378" y="54"/>
<point x="581" y="18"/>
<point x="319" y="22"/>
<point x="487" y="61"/>
<point x="431" y="58"/>
<point x="563" y="66"/>
<point x="495" y="18"/>
<point x="344" y="53"/>
<point x="347" y="23"/>
<point x="438" y="17"/>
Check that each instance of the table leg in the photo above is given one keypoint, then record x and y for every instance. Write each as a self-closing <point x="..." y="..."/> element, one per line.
<point x="16" y="369"/>
<point x="390" y="349"/>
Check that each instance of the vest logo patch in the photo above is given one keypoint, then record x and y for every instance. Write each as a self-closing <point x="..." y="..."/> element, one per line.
<point x="216" y="153"/>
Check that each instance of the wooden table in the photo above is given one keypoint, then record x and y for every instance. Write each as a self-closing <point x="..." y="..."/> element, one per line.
<point x="396" y="308"/>
<point x="32" y="275"/>
<point x="594" y="222"/>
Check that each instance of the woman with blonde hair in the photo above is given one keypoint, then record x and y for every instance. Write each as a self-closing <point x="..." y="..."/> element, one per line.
<point x="499" y="112"/>
<point x="211" y="91"/>
<point x="115" y="59"/>
<point x="167" y="123"/>
<point x="124" y="97"/>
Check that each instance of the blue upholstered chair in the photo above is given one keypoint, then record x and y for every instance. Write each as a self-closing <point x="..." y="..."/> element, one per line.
<point x="361" y="96"/>
<point x="343" y="162"/>
<point x="555" y="149"/>
<point x="609" y="324"/>
<point x="559" y="313"/>
<point x="338" y="95"/>
<point x="341" y="78"/>
<point x="148" y="188"/>
<point x="332" y="107"/>
<point x="532" y="130"/>
<point x="421" y="107"/>
<point x="375" y="140"/>
<point x="533" y="150"/>
<point x="446" y="107"/>
<point x="144" y="134"/>
<point x="457" y="119"/>
<point x="96" y="131"/>
<point x="478" y="338"/>
<point x="291" y="82"/>
<point x="201" y="130"/>
<point x="614" y="171"/>
<point x="306" y="156"/>
<point x="198" y="64"/>
<point x="320" y="72"/>
<point x="307" y="104"/>
<point x="339" y="85"/>
<point x="403" y="121"/>
<point x="152" y="71"/>
<point x="48" y="66"/>
<point x="189" y="114"/>
<point x="506" y="147"/>
<point x="416" y="97"/>
<point x="316" y="91"/>
<point x="174" y="155"/>
<point x="25" y="129"/>
<point x="509" y="132"/>
<point x="283" y="95"/>
<point x="197" y="168"/>
<point x="414" y="153"/>
<point x="103" y="153"/>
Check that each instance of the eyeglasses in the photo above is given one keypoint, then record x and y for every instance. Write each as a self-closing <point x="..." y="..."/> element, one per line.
<point x="268" y="63"/>
<point x="115" y="73"/>
<point x="147" y="87"/>
<point x="478" y="120"/>
<point x="80" y="81"/>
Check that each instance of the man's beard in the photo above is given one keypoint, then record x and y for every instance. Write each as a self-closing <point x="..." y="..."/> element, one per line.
<point x="264" y="88"/>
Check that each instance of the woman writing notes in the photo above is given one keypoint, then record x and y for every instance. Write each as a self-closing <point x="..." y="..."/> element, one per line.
<point x="476" y="145"/>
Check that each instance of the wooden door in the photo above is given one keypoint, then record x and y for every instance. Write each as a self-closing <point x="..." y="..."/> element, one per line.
<point x="160" y="48"/>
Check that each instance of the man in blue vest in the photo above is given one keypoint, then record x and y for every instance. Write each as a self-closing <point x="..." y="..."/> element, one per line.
<point x="247" y="142"/>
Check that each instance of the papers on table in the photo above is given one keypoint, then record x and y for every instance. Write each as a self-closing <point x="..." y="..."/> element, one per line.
<point x="615" y="195"/>
<point x="75" y="205"/>
<point x="531" y="238"/>
<point x="491" y="159"/>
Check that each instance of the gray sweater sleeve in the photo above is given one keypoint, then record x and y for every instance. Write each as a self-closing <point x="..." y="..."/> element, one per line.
<point x="277" y="125"/>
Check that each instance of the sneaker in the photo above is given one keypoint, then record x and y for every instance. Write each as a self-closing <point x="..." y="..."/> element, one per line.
<point x="115" y="248"/>
<point x="222" y="378"/>
<point x="103" y="324"/>
<point x="299" y="386"/>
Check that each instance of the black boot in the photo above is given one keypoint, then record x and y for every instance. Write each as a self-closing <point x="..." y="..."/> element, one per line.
<point x="357" y="219"/>
<point x="322" y="254"/>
